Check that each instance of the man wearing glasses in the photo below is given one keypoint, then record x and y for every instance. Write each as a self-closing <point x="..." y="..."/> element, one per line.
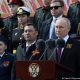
<point x="56" y="9"/>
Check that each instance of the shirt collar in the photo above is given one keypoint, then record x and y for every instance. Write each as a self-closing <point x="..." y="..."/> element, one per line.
<point x="1" y="55"/>
<point x="28" y="45"/>
<point x="66" y="38"/>
<point x="57" y="17"/>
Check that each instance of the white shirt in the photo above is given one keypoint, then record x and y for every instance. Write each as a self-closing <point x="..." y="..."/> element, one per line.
<point x="28" y="45"/>
<point x="53" y="25"/>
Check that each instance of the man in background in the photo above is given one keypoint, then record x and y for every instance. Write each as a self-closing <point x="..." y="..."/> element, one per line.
<point x="42" y="14"/>
<point x="74" y="17"/>
<point x="47" y="29"/>
<point x="23" y="14"/>
<point x="6" y="61"/>
<point x="11" y="21"/>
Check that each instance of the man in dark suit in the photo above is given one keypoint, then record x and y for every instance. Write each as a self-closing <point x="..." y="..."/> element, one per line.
<point x="6" y="61"/>
<point x="27" y="50"/>
<point x="47" y="29"/>
<point x="70" y="53"/>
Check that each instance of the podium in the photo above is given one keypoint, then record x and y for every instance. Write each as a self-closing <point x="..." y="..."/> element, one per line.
<point x="40" y="70"/>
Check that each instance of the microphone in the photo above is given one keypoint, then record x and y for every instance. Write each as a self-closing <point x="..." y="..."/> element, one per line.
<point x="40" y="47"/>
<point x="50" y="43"/>
<point x="60" y="43"/>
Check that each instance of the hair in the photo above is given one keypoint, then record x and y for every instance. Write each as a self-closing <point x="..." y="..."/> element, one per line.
<point x="67" y="21"/>
<point x="61" y="2"/>
<point x="27" y="13"/>
<point x="31" y="24"/>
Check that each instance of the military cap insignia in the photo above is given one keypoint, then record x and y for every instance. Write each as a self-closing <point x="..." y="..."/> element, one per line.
<point x="6" y="63"/>
<point x="20" y="11"/>
<point x="34" y="70"/>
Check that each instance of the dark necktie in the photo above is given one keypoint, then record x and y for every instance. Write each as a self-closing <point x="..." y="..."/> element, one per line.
<point x="58" y="54"/>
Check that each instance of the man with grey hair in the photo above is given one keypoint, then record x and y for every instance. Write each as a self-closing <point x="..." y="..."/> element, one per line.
<point x="70" y="53"/>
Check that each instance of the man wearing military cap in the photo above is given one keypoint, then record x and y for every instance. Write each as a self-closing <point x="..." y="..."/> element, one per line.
<point x="23" y="14"/>
<point x="11" y="22"/>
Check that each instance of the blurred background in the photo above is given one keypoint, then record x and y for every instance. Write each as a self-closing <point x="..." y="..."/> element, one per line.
<point x="33" y="4"/>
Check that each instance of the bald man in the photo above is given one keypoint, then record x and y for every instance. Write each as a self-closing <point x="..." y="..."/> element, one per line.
<point x="70" y="53"/>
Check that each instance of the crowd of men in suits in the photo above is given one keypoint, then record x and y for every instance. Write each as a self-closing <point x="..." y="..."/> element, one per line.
<point x="19" y="34"/>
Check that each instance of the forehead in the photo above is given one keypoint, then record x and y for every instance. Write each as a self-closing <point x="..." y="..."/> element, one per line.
<point x="55" y="4"/>
<point x="13" y="5"/>
<point x="30" y="27"/>
<point x="60" y="23"/>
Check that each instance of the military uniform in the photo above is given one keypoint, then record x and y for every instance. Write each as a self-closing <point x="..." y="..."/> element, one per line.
<point x="6" y="61"/>
<point x="41" y="15"/>
<point x="17" y="32"/>
<point x="16" y="37"/>
<point x="10" y="23"/>
<point x="74" y="16"/>
<point x="6" y="65"/>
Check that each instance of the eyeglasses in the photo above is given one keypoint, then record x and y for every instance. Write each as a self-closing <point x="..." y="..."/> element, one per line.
<point x="55" y="7"/>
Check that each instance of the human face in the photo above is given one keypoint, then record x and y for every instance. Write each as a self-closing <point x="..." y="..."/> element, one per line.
<point x="61" y="28"/>
<point x="30" y="34"/>
<point x="46" y="2"/>
<point x="13" y="9"/>
<point x="56" y="9"/>
<point x="22" y="19"/>
<point x="2" y="47"/>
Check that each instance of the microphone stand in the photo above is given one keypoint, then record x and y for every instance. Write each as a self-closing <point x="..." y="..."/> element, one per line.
<point x="43" y="53"/>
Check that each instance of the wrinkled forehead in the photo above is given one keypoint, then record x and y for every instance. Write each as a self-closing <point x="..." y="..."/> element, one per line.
<point x="55" y="4"/>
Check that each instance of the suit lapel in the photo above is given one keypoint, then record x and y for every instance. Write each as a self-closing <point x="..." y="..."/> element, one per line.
<point x="66" y="50"/>
<point x="47" y="28"/>
<point x="23" y="51"/>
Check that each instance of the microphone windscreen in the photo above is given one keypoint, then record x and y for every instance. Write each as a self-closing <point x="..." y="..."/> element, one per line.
<point x="40" y="44"/>
<point x="60" y="43"/>
<point x="50" y="43"/>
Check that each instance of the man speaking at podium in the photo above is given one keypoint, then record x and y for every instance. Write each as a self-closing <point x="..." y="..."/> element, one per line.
<point x="70" y="53"/>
